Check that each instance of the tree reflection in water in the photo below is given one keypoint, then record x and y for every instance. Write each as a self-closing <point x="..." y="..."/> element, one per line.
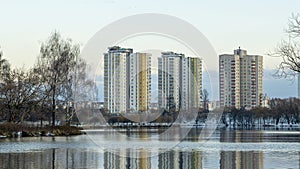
<point x="229" y="149"/>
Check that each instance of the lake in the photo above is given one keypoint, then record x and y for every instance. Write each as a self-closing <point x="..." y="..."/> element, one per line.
<point x="147" y="148"/>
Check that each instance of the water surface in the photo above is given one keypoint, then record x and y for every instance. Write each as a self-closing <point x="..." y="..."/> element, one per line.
<point x="143" y="149"/>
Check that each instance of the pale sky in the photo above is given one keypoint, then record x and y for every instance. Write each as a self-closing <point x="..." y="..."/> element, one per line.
<point x="257" y="26"/>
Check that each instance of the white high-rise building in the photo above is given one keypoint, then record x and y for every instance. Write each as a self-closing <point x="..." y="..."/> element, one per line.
<point x="169" y="80"/>
<point x="240" y="79"/>
<point x="127" y="80"/>
<point x="116" y="73"/>
<point x="179" y="81"/>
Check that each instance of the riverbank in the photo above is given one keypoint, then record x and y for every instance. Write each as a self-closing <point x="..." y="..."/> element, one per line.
<point x="16" y="130"/>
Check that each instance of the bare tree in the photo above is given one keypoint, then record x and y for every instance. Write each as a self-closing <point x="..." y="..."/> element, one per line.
<point x="4" y="70"/>
<point x="289" y="50"/>
<point x="55" y="65"/>
<point x="20" y="93"/>
<point x="205" y="100"/>
<point x="80" y="89"/>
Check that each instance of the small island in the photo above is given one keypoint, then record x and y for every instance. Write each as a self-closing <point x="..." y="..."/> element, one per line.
<point x="9" y="130"/>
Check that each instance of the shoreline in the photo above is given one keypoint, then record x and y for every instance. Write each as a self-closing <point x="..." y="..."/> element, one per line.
<point x="10" y="130"/>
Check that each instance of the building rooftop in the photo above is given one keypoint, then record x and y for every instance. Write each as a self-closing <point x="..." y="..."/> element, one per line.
<point x="119" y="49"/>
<point x="171" y="54"/>
<point x="240" y="51"/>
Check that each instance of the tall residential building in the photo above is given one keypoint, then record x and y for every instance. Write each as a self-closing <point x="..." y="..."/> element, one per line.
<point x="179" y="81"/>
<point x="191" y="87"/>
<point x="116" y="73"/>
<point x="140" y="82"/>
<point x="240" y="78"/>
<point x="169" y="80"/>
<point x="127" y="80"/>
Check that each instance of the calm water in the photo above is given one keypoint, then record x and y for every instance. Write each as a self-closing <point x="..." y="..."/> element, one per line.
<point x="110" y="149"/>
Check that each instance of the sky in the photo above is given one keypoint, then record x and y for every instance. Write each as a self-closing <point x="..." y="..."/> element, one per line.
<point x="257" y="26"/>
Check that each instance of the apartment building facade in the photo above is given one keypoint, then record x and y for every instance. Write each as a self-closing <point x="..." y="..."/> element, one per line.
<point x="240" y="79"/>
<point x="179" y="81"/>
<point x="127" y="80"/>
<point x="140" y="82"/>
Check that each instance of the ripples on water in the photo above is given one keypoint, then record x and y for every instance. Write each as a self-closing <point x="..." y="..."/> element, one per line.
<point x="107" y="149"/>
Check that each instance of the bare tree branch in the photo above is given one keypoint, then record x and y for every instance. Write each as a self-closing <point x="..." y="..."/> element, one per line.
<point x="289" y="51"/>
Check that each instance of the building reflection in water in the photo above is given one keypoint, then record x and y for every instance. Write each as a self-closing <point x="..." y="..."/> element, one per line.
<point x="175" y="158"/>
<point x="241" y="159"/>
<point x="127" y="159"/>
<point x="51" y="158"/>
<point x="238" y="136"/>
<point x="180" y="160"/>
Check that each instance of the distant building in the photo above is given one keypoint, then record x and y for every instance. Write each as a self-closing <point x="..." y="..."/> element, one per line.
<point x="213" y="105"/>
<point x="179" y="81"/>
<point x="154" y="106"/>
<point x="240" y="78"/>
<point x="265" y="102"/>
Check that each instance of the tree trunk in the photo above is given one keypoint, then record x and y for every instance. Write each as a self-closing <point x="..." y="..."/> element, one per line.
<point x="41" y="122"/>
<point x="10" y="118"/>
<point x="53" y="108"/>
<point x="277" y="121"/>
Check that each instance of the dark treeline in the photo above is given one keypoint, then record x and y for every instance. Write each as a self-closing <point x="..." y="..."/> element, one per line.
<point x="281" y="111"/>
<point x="46" y="91"/>
<point x="154" y="116"/>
